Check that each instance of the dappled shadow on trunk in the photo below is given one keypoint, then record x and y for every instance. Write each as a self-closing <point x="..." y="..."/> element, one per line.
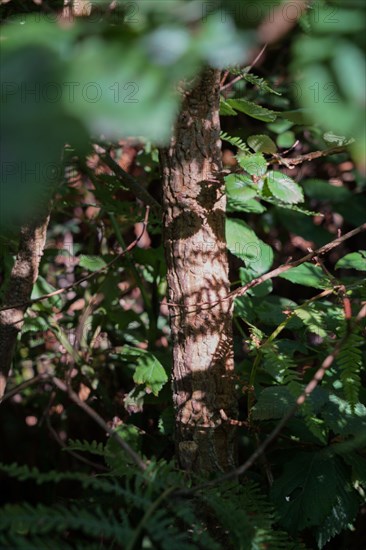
<point x="197" y="271"/>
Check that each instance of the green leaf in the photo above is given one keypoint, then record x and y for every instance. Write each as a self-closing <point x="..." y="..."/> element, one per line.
<point x="255" y="165"/>
<point x="285" y="140"/>
<point x="252" y="109"/>
<point x="148" y="371"/>
<point x="338" y="141"/>
<point x="42" y="287"/>
<point x="249" y="205"/>
<point x="344" y="510"/>
<point x="306" y="477"/>
<point x="284" y="188"/>
<point x="354" y="260"/>
<point x="272" y="403"/>
<point x="262" y="144"/>
<point x="323" y="191"/>
<point x="226" y="109"/>
<point x="307" y="274"/>
<point x="244" y="243"/>
<point x="92" y="263"/>
<point x="247" y="275"/>
<point x="240" y="187"/>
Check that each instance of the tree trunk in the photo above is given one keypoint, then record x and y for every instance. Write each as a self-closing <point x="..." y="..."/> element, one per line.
<point x="18" y="291"/>
<point x="194" y="234"/>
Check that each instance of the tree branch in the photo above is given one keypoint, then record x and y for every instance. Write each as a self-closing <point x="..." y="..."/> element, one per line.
<point x="130" y="182"/>
<point x="294" y="161"/>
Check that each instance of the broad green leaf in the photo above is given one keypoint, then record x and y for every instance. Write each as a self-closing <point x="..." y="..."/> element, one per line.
<point x="272" y="403"/>
<point x="306" y="478"/>
<point x="255" y="165"/>
<point x="226" y="109"/>
<point x="42" y="287"/>
<point x="240" y="187"/>
<point x="247" y="205"/>
<point x="307" y="274"/>
<point x="354" y="260"/>
<point x="247" y="275"/>
<point x="273" y="310"/>
<point x="252" y="109"/>
<point x="284" y="188"/>
<point x="285" y="140"/>
<point x="336" y="141"/>
<point x="148" y="371"/>
<point x="243" y="242"/>
<point x="323" y="191"/>
<point x="262" y="144"/>
<point x="92" y="263"/>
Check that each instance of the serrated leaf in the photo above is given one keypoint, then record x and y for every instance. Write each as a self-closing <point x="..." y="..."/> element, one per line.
<point x="226" y="109"/>
<point x="355" y="260"/>
<point x="284" y="188"/>
<point x="306" y="274"/>
<point x="149" y="371"/>
<point x="244" y="243"/>
<point x="272" y="403"/>
<point x="92" y="263"/>
<point x="249" y="205"/>
<point x="308" y="477"/>
<point x="262" y="144"/>
<point x="255" y="165"/>
<point x="252" y="109"/>
<point x="240" y="187"/>
<point x="343" y="511"/>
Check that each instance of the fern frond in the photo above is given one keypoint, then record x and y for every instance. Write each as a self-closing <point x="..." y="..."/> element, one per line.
<point x="40" y="519"/>
<point x="92" y="447"/>
<point x="254" y="79"/>
<point x="236" y="141"/>
<point x="349" y="361"/>
<point x="279" y="364"/>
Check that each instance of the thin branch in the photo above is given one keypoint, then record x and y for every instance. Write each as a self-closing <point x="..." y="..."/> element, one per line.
<point x="99" y="420"/>
<point x="24" y="386"/>
<point x="76" y="455"/>
<point x="247" y="70"/>
<point x="294" y="161"/>
<point x="87" y="277"/>
<point x="130" y="182"/>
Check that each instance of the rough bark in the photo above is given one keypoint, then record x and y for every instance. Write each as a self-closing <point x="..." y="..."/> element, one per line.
<point x="18" y="291"/>
<point x="197" y="271"/>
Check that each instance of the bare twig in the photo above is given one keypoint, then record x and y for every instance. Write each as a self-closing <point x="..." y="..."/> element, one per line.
<point x="24" y="386"/>
<point x="78" y="456"/>
<point x="247" y="70"/>
<point x="99" y="420"/>
<point x="294" y="161"/>
<point x="130" y="182"/>
<point x="87" y="277"/>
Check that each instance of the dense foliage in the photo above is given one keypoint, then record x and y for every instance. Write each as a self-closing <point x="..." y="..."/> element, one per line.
<point x="107" y="85"/>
